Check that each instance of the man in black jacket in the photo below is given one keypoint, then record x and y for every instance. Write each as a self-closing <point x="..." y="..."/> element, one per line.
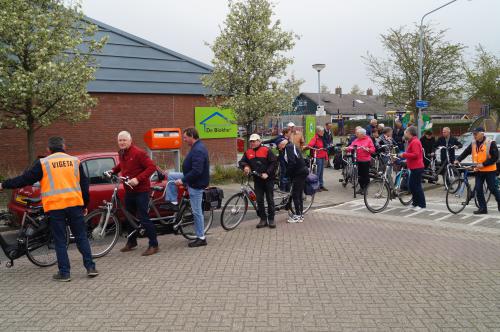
<point x="448" y="142"/>
<point x="429" y="146"/>
<point x="398" y="134"/>
<point x="261" y="160"/>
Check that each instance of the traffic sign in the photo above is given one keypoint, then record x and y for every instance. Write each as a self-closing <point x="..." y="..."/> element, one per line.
<point x="422" y="104"/>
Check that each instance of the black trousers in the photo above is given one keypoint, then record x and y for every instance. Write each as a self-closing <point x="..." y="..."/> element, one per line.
<point x="415" y="184"/>
<point x="137" y="205"/>
<point x="490" y="178"/>
<point x="363" y="173"/>
<point x="297" y="193"/>
<point x="265" y="188"/>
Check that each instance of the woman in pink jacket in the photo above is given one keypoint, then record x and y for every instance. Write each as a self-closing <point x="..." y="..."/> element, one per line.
<point x="415" y="162"/>
<point x="365" y="149"/>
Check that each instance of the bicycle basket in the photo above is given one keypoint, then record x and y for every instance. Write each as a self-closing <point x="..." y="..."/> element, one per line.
<point x="212" y="198"/>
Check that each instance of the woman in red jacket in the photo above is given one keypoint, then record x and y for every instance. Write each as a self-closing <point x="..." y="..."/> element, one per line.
<point x="415" y="162"/>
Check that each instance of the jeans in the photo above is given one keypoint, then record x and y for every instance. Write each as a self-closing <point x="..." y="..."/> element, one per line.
<point x="321" y="166"/>
<point x="415" y="184"/>
<point x="172" y="187"/>
<point x="74" y="217"/>
<point x="264" y="187"/>
<point x="490" y="178"/>
<point x="137" y="204"/>
<point x="196" y="198"/>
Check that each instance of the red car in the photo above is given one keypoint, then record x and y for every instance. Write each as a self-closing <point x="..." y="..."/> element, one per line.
<point x="100" y="189"/>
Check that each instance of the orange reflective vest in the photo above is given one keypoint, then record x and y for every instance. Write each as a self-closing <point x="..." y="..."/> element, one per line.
<point x="60" y="184"/>
<point x="483" y="154"/>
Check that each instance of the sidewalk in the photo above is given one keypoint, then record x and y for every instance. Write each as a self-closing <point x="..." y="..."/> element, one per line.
<point x="330" y="273"/>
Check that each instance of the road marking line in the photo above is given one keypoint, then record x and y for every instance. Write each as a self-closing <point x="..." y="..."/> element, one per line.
<point x="479" y="220"/>
<point x="436" y="212"/>
<point x="415" y="213"/>
<point x="444" y="217"/>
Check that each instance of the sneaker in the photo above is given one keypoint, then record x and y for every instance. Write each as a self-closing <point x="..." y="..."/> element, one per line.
<point x="59" y="277"/>
<point x="480" y="212"/>
<point x="293" y="219"/>
<point x="197" y="243"/>
<point x="417" y="208"/>
<point x="300" y="218"/>
<point x="91" y="273"/>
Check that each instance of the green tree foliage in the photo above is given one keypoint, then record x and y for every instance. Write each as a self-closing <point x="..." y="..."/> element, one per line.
<point x="44" y="67"/>
<point x="397" y="75"/>
<point x="483" y="78"/>
<point x="250" y="63"/>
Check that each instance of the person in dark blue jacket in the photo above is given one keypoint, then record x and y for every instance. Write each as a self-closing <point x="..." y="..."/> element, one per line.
<point x="196" y="176"/>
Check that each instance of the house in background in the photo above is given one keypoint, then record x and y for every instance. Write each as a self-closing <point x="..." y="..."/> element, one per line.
<point x="139" y="85"/>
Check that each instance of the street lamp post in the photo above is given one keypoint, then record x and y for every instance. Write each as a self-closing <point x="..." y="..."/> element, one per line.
<point x="421" y="64"/>
<point x="318" y="67"/>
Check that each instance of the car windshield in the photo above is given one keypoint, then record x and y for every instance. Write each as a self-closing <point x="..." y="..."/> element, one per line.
<point x="466" y="138"/>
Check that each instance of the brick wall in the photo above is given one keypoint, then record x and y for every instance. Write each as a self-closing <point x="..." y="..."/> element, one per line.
<point x="474" y="107"/>
<point x="136" y="113"/>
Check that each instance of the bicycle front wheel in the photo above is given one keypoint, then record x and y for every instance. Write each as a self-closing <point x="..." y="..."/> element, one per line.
<point x="487" y="195"/>
<point x="187" y="225"/>
<point x="102" y="234"/>
<point x="376" y="196"/>
<point x="41" y="249"/>
<point x="234" y="211"/>
<point x="457" y="196"/>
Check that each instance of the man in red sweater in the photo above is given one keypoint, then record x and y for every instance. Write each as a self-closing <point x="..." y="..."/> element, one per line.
<point x="136" y="164"/>
<point x="415" y="162"/>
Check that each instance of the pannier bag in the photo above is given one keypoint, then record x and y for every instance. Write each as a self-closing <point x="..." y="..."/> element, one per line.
<point x="312" y="184"/>
<point x="212" y="198"/>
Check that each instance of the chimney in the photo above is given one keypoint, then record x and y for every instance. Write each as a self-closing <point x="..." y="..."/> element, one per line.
<point x="369" y="92"/>
<point x="338" y="91"/>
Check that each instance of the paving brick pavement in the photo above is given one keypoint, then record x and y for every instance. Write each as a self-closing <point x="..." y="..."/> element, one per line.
<point x="331" y="273"/>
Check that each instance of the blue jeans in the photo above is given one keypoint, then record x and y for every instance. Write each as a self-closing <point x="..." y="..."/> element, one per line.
<point x="73" y="216"/>
<point x="415" y="184"/>
<point x="321" y="166"/>
<point x="137" y="204"/>
<point x="490" y="178"/>
<point x="172" y="187"/>
<point x="196" y="198"/>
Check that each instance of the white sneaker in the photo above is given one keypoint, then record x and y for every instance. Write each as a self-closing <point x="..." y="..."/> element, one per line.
<point x="300" y="218"/>
<point x="292" y="219"/>
<point x="417" y="208"/>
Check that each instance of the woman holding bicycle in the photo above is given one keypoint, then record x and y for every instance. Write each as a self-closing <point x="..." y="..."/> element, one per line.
<point x="365" y="149"/>
<point x="297" y="171"/>
<point x="317" y="144"/>
<point x="415" y="161"/>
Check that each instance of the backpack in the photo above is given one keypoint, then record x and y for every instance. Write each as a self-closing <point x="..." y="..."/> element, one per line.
<point x="212" y="198"/>
<point x="312" y="184"/>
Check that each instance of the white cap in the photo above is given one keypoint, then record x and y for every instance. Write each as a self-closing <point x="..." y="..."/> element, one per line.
<point x="254" y="137"/>
<point x="291" y="124"/>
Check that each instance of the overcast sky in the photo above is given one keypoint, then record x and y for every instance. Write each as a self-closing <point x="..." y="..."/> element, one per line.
<point x="333" y="32"/>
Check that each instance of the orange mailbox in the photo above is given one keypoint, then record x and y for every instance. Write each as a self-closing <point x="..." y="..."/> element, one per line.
<point x="163" y="138"/>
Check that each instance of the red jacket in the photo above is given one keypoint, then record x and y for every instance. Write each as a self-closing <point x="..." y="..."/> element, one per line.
<point x="135" y="163"/>
<point x="414" y="154"/>
<point x="318" y="143"/>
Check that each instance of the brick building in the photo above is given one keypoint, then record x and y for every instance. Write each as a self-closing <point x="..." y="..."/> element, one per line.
<point x="139" y="85"/>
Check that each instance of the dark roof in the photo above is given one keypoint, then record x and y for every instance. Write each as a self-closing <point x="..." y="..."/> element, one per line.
<point x="129" y="64"/>
<point x="363" y="104"/>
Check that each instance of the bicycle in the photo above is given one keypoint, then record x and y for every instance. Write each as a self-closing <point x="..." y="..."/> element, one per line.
<point x="104" y="228"/>
<point x="236" y="206"/>
<point x="382" y="189"/>
<point x="448" y="170"/>
<point x="313" y="166"/>
<point x="350" y="169"/>
<point x="34" y="238"/>
<point x="459" y="193"/>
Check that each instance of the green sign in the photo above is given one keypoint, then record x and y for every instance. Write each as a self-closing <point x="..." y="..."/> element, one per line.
<point x="310" y="129"/>
<point x="213" y="122"/>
